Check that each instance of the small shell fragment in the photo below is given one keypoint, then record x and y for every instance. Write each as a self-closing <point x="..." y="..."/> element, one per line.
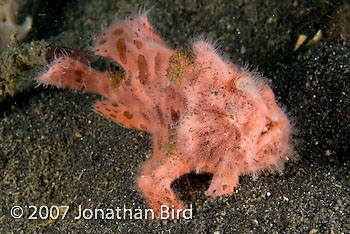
<point x="316" y="38"/>
<point x="301" y="39"/>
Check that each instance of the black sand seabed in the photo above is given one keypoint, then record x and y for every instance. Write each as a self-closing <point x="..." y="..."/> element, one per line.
<point x="56" y="152"/>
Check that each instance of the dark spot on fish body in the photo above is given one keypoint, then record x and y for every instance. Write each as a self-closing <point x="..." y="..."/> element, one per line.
<point x="121" y="47"/>
<point x="128" y="115"/>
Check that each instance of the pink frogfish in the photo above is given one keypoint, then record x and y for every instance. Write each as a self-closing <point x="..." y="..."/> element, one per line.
<point x="204" y="113"/>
